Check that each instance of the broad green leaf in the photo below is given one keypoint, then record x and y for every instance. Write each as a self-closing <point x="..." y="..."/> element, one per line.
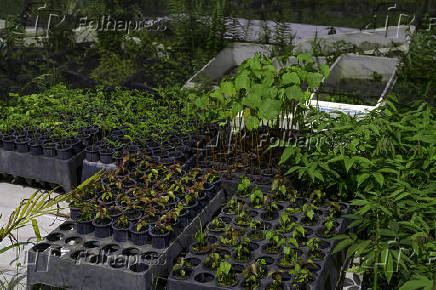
<point x="379" y="178"/>
<point x="236" y="109"/>
<point x="313" y="79"/>
<point x="242" y="82"/>
<point x="348" y="163"/>
<point x="227" y="88"/>
<point x="342" y="245"/>
<point x="304" y="57"/>
<point x="361" y="178"/>
<point x="325" y="70"/>
<point x="290" y="78"/>
<point x="251" y="122"/>
<point x="287" y="153"/>
<point x="201" y="102"/>
<point x="294" y="93"/>
<point x="388" y="170"/>
<point x="318" y="175"/>
<point x="252" y="100"/>
<point x="218" y="96"/>
<point x="420" y="282"/>
<point x="270" y="109"/>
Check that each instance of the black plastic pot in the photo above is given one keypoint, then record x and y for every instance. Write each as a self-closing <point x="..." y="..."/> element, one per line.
<point x="139" y="238"/>
<point x="75" y="213"/>
<point x="133" y="215"/>
<point x="64" y="152"/>
<point x="49" y="149"/>
<point x="9" y="142"/>
<point x="84" y="138"/>
<point x="159" y="241"/>
<point x="114" y="212"/>
<point x="85" y="227"/>
<point x="130" y="149"/>
<point x="106" y="203"/>
<point x="184" y="218"/>
<point x="91" y="153"/>
<point x="22" y="144"/>
<point x="106" y="155"/>
<point x="35" y="148"/>
<point x="77" y="146"/>
<point x="120" y="235"/>
<point x="103" y="229"/>
<point x="192" y="209"/>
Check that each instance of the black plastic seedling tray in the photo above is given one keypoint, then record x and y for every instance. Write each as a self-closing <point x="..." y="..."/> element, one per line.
<point x="73" y="261"/>
<point x="42" y="168"/>
<point x="325" y="277"/>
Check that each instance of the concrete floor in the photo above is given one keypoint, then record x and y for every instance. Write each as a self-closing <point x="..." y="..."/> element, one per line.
<point x="12" y="262"/>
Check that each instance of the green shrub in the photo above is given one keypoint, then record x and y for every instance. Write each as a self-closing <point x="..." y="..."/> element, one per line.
<point x="113" y="70"/>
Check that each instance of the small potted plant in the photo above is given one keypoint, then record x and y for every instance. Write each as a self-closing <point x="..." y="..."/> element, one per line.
<point x="328" y="230"/>
<point x="106" y="198"/>
<point x="182" y="269"/>
<point x="314" y="249"/>
<point x="276" y="283"/>
<point x="213" y="260"/>
<point x="139" y="232"/>
<point x="201" y="245"/>
<point x="244" y="187"/>
<point x="243" y="219"/>
<point x="102" y="223"/>
<point x="233" y="206"/>
<point x="253" y="274"/>
<point x="271" y="210"/>
<point x="121" y="229"/>
<point x="242" y="251"/>
<point x="257" y="198"/>
<point x="225" y="277"/>
<point x="285" y="223"/>
<point x="22" y="144"/>
<point x="84" y="222"/>
<point x="274" y="244"/>
<point x="160" y="234"/>
<point x="257" y="230"/>
<point x="309" y="212"/>
<point x="9" y="142"/>
<point x="217" y="225"/>
<point x="281" y="194"/>
<point x="302" y="276"/>
<point x="231" y="236"/>
<point x="288" y="258"/>
<point x="114" y="212"/>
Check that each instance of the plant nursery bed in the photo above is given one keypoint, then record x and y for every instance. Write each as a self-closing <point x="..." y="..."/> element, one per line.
<point x="74" y="261"/>
<point x="126" y="224"/>
<point x="253" y="244"/>
<point x="42" y="168"/>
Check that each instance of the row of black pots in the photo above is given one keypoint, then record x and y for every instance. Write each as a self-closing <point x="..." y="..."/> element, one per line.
<point x="42" y="147"/>
<point x="107" y="228"/>
<point x="108" y="155"/>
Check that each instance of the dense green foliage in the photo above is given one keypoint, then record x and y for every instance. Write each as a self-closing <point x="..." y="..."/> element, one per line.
<point x="417" y="74"/>
<point x="384" y="163"/>
<point x="64" y="112"/>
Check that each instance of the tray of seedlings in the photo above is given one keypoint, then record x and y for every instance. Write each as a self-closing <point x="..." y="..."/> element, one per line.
<point x="264" y="240"/>
<point x="47" y="136"/>
<point x="126" y="224"/>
